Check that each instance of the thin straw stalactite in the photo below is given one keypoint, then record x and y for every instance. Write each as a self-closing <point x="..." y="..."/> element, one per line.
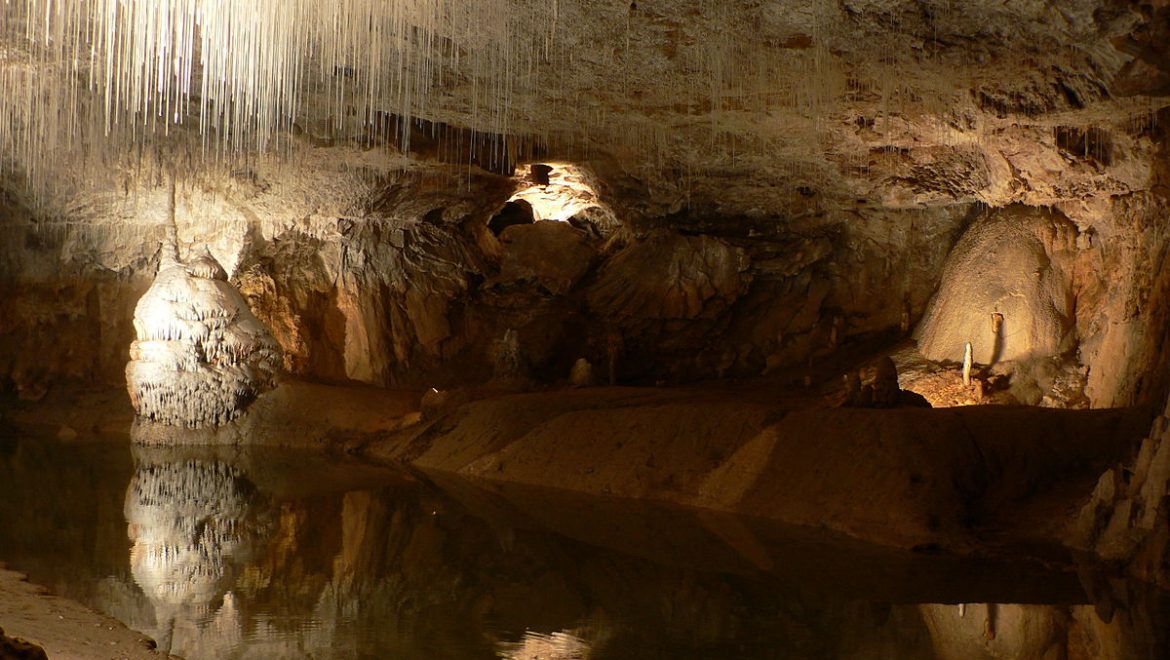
<point x="131" y="70"/>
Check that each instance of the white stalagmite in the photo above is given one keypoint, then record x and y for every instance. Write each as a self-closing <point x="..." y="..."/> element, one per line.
<point x="967" y="364"/>
<point x="200" y="356"/>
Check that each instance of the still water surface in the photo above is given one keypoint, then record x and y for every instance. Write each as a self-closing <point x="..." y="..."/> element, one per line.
<point x="279" y="554"/>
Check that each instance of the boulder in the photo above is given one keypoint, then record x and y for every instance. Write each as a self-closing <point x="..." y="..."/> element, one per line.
<point x="553" y="253"/>
<point x="671" y="276"/>
<point x="13" y="648"/>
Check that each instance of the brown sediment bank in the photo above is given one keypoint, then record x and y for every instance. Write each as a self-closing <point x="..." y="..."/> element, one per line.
<point x="65" y="628"/>
<point x="900" y="477"/>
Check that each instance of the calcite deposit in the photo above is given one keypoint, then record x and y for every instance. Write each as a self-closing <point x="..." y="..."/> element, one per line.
<point x="200" y="356"/>
<point x="1007" y="290"/>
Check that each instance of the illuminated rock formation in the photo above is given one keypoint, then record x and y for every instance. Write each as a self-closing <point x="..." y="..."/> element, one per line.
<point x="1006" y="290"/>
<point x="200" y="356"/>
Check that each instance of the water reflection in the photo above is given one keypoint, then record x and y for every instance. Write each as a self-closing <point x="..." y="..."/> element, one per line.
<point x="252" y="554"/>
<point x="553" y="646"/>
<point x="193" y="523"/>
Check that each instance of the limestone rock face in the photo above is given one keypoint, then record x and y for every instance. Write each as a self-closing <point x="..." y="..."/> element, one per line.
<point x="553" y="253"/>
<point x="670" y="276"/>
<point x="200" y="356"/>
<point x="1006" y="289"/>
<point x="1128" y="518"/>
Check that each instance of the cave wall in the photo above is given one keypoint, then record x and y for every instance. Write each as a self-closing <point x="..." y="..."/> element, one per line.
<point x="381" y="269"/>
<point x="385" y="272"/>
<point x="779" y="184"/>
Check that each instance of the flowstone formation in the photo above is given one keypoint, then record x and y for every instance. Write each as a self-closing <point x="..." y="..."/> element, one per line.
<point x="1006" y="290"/>
<point x="200" y="356"/>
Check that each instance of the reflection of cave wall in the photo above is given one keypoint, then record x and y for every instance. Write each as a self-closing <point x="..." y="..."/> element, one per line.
<point x="412" y="571"/>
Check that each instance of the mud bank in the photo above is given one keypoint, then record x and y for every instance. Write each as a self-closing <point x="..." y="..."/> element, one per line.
<point x="65" y="628"/>
<point x="907" y="478"/>
<point x="953" y="478"/>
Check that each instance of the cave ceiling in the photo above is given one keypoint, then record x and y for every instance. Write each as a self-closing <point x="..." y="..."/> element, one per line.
<point x="743" y="109"/>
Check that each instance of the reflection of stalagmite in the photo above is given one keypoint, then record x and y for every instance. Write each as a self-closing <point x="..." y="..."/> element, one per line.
<point x="191" y="522"/>
<point x="200" y="356"/>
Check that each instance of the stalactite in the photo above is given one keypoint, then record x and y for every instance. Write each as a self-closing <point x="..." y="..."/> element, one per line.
<point x="244" y="70"/>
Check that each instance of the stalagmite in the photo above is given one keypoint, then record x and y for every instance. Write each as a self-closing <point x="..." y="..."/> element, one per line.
<point x="581" y="374"/>
<point x="967" y="364"/>
<point x="200" y="356"/>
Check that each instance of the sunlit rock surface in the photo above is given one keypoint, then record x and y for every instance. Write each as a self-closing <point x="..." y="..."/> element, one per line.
<point x="201" y="356"/>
